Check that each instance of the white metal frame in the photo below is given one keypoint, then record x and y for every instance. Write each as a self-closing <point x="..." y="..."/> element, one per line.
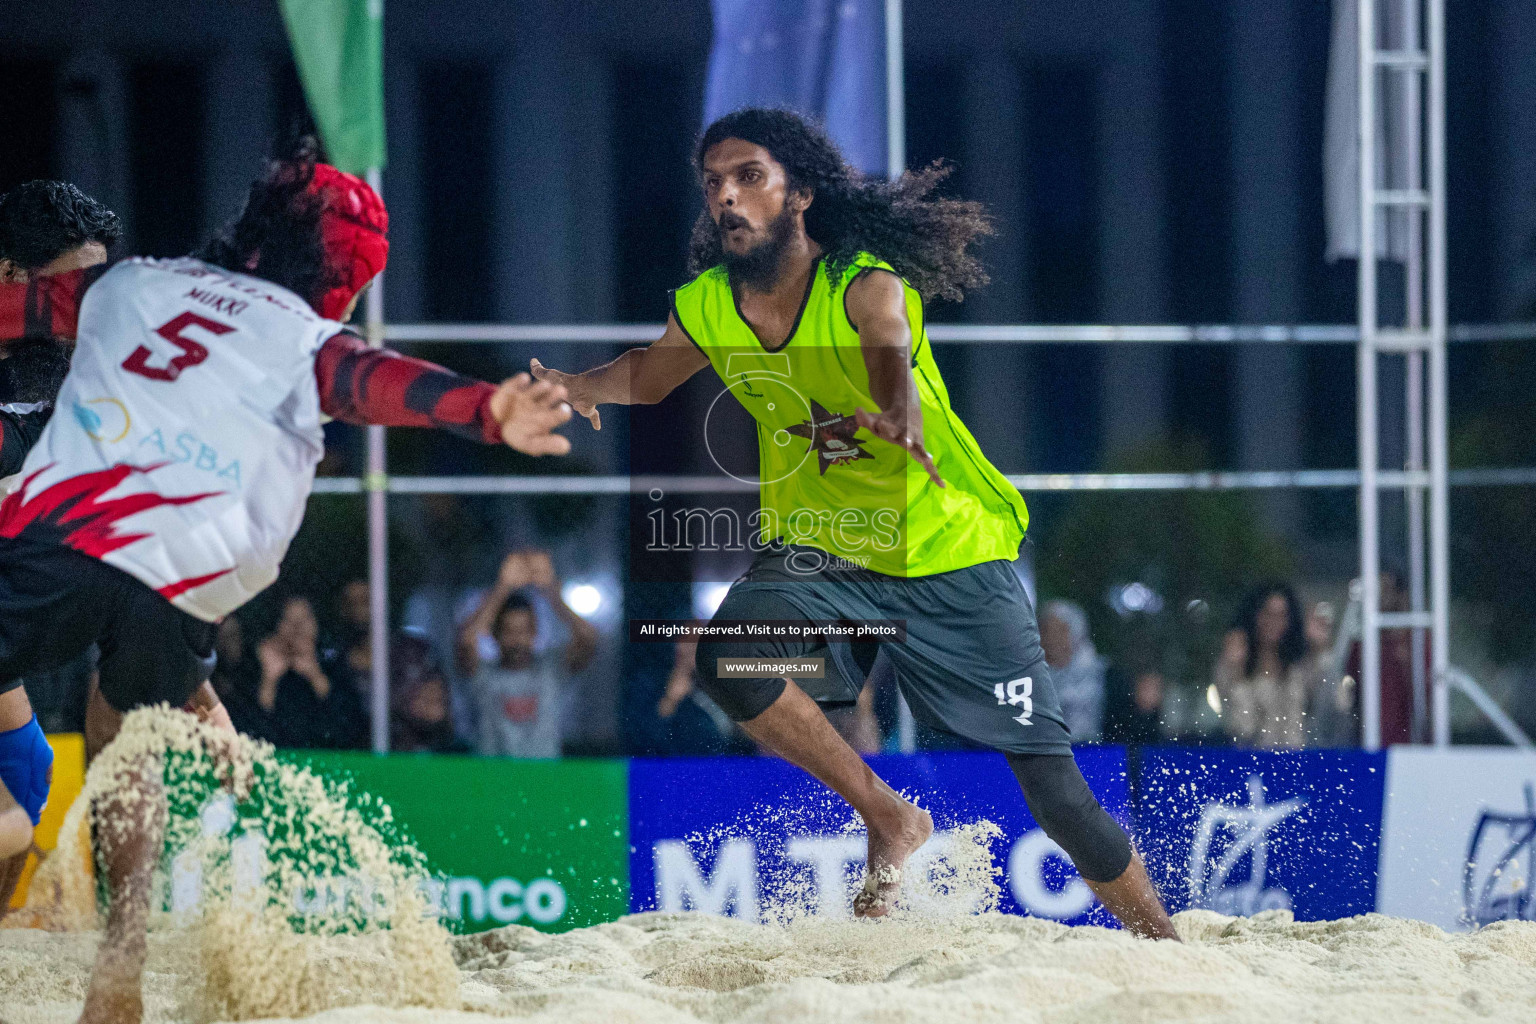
<point x="375" y="482"/>
<point x="1425" y="330"/>
<point x="1392" y="185"/>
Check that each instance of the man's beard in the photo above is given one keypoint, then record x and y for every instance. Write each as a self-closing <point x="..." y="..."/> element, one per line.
<point x="759" y="267"/>
<point x="34" y="371"/>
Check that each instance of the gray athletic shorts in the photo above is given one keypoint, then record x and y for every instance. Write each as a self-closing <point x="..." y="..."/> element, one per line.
<point x="971" y="663"/>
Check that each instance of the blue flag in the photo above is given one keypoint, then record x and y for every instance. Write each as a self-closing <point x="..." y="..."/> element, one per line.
<point x="825" y="58"/>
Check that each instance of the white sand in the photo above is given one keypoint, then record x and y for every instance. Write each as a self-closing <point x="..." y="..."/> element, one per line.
<point x="940" y="959"/>
<point x="234" y="952"/>
<point x="655" y="968"/>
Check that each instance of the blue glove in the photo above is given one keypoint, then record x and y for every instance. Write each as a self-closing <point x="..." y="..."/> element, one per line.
<point x="26" y="767"/>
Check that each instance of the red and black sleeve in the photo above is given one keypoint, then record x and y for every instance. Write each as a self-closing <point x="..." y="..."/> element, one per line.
<point x="45" y="307"/>
<point x="360" y="384"/>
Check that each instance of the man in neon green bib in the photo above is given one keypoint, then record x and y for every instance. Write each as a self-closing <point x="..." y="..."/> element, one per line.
<point x="877" y="503"/>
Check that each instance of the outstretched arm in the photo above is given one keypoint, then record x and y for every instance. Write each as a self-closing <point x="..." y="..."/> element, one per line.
<point x="641" y="376"/>
<point x="360" y="384"/>
<point x="877" y="305"/>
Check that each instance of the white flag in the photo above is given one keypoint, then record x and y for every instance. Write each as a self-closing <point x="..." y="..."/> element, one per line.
<point x="1341" y="139"/>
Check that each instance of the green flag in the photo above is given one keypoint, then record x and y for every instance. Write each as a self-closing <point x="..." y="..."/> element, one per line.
<point x="339" y="48"/>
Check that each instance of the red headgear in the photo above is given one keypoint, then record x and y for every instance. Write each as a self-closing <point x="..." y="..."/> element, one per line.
<point x="353" y="230"/>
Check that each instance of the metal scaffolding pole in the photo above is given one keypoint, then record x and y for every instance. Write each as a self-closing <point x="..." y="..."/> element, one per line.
<point x="374" y="482"/>
<point x="896" y="165"/>
<point x="1411" y="175"/>
<point x="1370" y="553"/>
<point x="1399" y="199"/>
<point x="1439" y="469"/>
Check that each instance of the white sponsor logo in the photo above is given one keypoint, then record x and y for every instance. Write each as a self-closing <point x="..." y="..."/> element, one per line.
<point x="732" y="886"/>
<point x="1244" y="833"/>
<point x="681" y="883"/>
<point x="503" y="900"/>
<point x="1026" y="877"/>
<point x="1017" y="693"/>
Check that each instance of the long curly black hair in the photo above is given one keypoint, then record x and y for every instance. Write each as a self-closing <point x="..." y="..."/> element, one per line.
<point x="1293" y="644"/>
<point x="927" y="238"/>
<point x="277" y="236"/>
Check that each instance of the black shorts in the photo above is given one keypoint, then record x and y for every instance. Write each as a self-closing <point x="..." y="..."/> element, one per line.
<point x="56" y="602"/>
<point x="971" y="664"/>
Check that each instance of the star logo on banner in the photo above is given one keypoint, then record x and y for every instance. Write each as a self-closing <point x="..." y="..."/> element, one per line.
<point x="831" y="437"/>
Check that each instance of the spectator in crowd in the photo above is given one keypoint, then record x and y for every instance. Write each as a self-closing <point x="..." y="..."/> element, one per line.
<point x="236" y="677"/>
<point x="680" y="680"/>
<point x="420" y="717"/>
<point x="1135" y="703"/>
<point x="517" y="686"/>
<point x="1076" y="669"/>
<point x="662" y="712"/>
<point x="1396" y="666"/>
<point x="1331" y="720"/>
<point x="1264" y="675"/>
<point x="297" y="702"/>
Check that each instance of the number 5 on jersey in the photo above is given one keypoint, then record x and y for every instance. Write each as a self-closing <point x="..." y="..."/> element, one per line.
<point x="173" y="331"/>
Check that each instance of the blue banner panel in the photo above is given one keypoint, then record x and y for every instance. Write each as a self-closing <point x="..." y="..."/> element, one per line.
<point x="755" y="837"/>
<point x="1240" y="831"/>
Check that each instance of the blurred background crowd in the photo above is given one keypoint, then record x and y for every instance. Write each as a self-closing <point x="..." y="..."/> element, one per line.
<point x="1147" y="163"/>
<point x="518" y="673"/>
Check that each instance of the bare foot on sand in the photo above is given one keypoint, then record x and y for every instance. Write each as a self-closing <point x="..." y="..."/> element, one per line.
<point x="112" y="1001"/>
<point x="890" y="844"/>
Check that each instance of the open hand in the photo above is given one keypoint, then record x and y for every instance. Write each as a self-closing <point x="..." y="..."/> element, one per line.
<point x="529" y="411"/>
<point x="272" y="653"/>
<point x="576" y="392"/>
<point x="679" y="686"/>
<point x="541" y="571"/>
<point x="514" y="574"/>
<point x="1234" y="650"/>
<point x="893" y="426"/>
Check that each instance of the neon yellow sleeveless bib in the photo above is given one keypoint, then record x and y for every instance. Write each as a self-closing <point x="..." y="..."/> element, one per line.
<point x="826" y="483"/>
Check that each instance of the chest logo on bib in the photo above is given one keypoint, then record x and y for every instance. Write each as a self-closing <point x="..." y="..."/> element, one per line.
<point x="831" y="437"/>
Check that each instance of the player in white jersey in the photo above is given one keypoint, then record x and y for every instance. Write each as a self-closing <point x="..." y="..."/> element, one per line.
<point x="168" y="493"/>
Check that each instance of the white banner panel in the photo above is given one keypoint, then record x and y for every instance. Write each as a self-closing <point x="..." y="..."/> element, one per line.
<point x="1458" y="845"/>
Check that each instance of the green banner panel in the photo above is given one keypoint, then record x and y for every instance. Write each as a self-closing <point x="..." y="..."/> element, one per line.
<point x="537" y="843"/>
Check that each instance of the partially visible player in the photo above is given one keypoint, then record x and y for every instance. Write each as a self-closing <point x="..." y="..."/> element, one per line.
<point x="141" y="526"/>
<point x="51" y="227"/>
<point x="46" y="228"/>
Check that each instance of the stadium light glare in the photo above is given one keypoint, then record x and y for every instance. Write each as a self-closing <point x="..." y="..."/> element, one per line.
<point x="707" y="598"/>
<point x="584" y="598"/>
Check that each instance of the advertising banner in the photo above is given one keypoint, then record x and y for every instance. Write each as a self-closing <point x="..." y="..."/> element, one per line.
<point x="1240" y="831"/>
<point x="537" y="843"/>
<point x="755" y="837"/>
<point x="1459" y="842"/>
